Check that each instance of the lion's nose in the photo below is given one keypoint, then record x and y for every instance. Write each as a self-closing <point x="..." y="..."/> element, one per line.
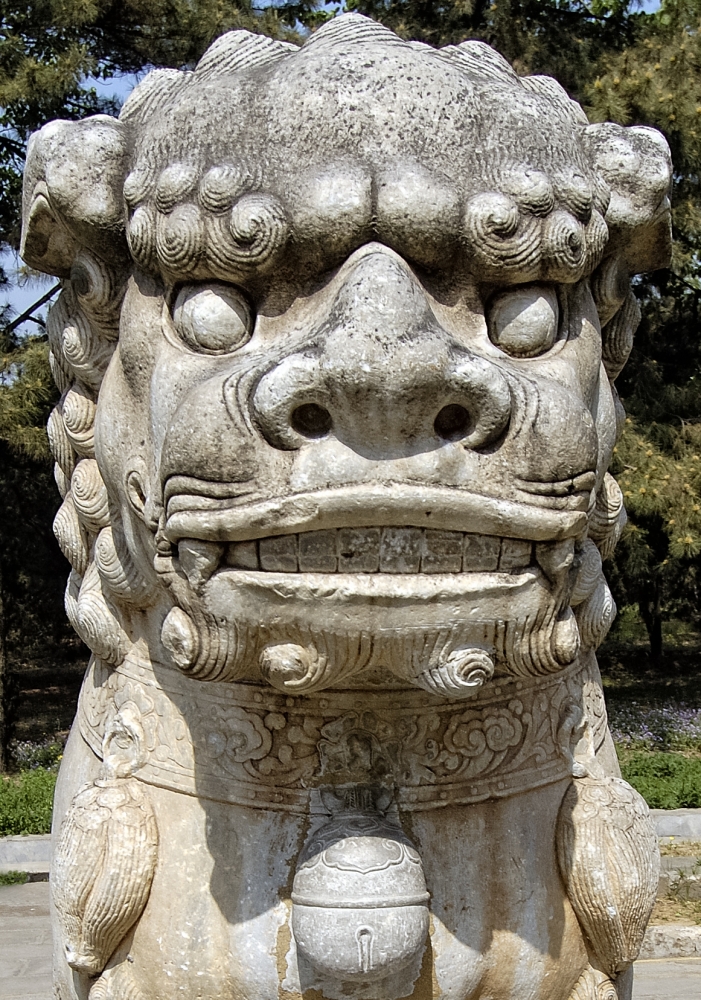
<point x="382" y="375"/>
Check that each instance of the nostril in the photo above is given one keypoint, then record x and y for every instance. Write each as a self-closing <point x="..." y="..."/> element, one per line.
<point x="311" y="420"/>
<point x="452" y="422"/>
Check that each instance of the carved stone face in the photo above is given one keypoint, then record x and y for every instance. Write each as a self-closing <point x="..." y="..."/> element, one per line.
<point x="357" y="419"/>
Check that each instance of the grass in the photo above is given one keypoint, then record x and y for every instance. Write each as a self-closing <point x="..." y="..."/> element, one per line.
<point x="655" y="711"/>
<point x="26" y="802"/>
<point x="665" y="780"/>
<point x="13" y="878"/>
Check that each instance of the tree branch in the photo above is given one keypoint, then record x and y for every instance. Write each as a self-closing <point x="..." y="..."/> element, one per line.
<point x="27" y="314"/>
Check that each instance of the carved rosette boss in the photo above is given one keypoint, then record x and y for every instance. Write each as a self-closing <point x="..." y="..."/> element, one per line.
<point x="336" y="346"/>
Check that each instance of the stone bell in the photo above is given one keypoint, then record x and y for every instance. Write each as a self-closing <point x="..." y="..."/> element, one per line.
<point x="360" y="905"/>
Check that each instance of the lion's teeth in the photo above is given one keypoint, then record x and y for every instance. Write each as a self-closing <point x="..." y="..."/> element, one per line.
<point x="442" y="552"/>
<point x="243" y="555"/>
<point x="359" y="550"/>
<point x="278" y="554"/>
<point x="555" y="559"/>
<point x="481" y="553"/>
<point x="199" y="559"/>
<point x="400" y="550"/>
<point x="515" y="554"/>
<point x="317" y="552"/>
<point x="373" y="550"/>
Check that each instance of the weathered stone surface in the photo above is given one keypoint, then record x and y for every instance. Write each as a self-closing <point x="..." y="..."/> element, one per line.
<point x="30" y="854"/>
<point x="336" y="348"/>
<point x="672" y="941"/>
<point x="677" y="824"/>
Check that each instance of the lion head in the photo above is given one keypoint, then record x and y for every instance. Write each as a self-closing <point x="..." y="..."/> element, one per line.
<point x="336" y="345"/>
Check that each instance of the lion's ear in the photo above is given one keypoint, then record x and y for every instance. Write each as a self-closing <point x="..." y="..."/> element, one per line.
<point x="636" y="164"/>
<point x="72" y="196"/>
<point x="46" y="244"/>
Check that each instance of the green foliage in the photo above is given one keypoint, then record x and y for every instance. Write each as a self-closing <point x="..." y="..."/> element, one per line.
<point x="660" y="473"/>
<point x="27" y="392"/>
<point x="656" y="80"/>
<point x="658" y="468"/>
<point x="32" y="570"/>
<point x="33" y="625"/>
<point x="665" y="780"/>
<point x="13" y="878"/>
<point x="563" y="39"/>
<point x="26" y="802"/>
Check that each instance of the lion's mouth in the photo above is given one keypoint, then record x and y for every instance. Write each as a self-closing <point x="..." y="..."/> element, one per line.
<point x="389" y="550"/>
<point x="369" y="577"/>
<point x="380" y="531"/>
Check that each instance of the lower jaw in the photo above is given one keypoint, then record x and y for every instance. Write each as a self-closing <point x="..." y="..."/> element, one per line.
<point x="446" y="633"/>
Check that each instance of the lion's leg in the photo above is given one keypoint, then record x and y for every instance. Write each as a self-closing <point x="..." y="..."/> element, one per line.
<point x="595" y="985"/>
<point x="624" y="984"/>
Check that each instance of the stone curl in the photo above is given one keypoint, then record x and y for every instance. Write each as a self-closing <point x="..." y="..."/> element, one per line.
<point x="249" y="235"/>
<point x="180" y="239"/>
<point x="223" y="183"/>
<point x="212" y="237"/>
<point x="518" y="238"/>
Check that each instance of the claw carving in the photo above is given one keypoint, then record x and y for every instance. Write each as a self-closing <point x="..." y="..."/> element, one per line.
<point x="609" y="860"/>
<point x="106" y="856"/>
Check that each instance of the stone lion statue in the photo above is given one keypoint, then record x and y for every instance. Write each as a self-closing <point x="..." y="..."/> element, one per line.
<point x="336" y="347"/>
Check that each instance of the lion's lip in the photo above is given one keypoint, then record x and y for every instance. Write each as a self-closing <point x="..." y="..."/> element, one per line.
<point x="231" y="518"/>
<point x="576" y="490"/>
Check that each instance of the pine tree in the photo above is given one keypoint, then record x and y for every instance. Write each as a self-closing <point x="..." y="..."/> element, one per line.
<point x="657" y="81"/>
<point x="26" y="394"/>
<point x="563" y="38"/>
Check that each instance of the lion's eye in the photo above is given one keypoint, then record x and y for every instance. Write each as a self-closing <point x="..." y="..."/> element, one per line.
<point x="212" y="319"/>
<point x="524" y="321"/>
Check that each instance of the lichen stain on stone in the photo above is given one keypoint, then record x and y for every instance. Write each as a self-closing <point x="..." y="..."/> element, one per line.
<point x="426" y="986"/>
<point x="282" y="948"/>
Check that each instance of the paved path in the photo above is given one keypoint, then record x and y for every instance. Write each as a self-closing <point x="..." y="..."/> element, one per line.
<point x="668" y="979"/>
<point x="25" y="954"/>
<point x="25" y="942"/>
